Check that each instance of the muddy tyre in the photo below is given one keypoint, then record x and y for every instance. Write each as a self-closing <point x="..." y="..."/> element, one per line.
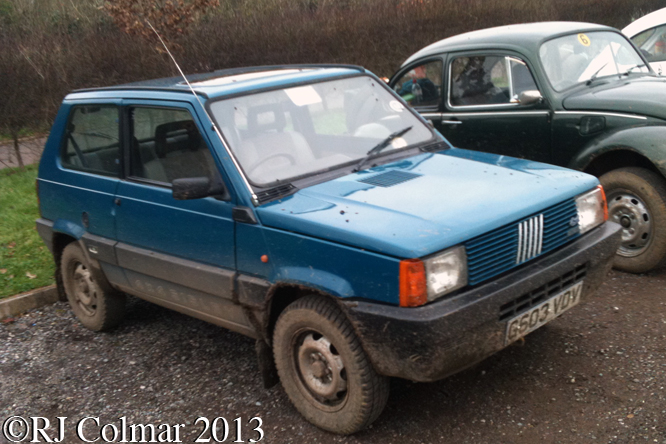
<point x="637" y="201"/>
<point x="323" y="367"/>
<point x="97" y="305"/>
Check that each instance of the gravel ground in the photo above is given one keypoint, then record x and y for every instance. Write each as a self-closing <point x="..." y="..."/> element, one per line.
<point x="597" y="375"/>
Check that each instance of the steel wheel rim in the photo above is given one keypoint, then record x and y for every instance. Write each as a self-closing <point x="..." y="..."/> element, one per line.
<point x="628" y="210"/>
<point x="321" y="370"/>
<point x="85" y="289"/>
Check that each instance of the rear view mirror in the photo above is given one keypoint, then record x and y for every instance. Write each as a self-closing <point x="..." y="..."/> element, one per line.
<point x="530" y="97"/>
<point x="196" y="188"/>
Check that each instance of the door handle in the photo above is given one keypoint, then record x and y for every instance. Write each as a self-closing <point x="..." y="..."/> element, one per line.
<point x="451" y="122"/>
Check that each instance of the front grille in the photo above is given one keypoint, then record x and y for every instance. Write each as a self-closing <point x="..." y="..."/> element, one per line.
<point x="530" y="238"/>
<point x="537" y="296"/>
<point x="511" y="245"/>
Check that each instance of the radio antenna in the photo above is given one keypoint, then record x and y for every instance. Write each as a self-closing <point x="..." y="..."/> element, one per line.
<point x="214" y="126"/>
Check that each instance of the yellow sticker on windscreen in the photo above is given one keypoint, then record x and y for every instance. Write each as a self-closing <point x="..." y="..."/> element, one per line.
<point x="584" y="40"/>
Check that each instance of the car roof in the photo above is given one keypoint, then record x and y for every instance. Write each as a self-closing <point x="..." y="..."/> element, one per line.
<point x="528" y="36"/>
<point x="648" y="21"/>
<point x="232" y="81"/>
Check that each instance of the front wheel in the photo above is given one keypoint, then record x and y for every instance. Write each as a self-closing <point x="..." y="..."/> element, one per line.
<point x="637" y="201"/>
<point x="97" y="305"/>
<point x="323" y="367"/>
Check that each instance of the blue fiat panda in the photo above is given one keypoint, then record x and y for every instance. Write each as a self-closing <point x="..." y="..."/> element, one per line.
<point x="309" y="208"/>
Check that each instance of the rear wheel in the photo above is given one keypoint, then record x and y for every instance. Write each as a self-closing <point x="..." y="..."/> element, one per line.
<point x="637" y="201"/>
<point x="323" y="367"/>
<point x="97" y="305"/>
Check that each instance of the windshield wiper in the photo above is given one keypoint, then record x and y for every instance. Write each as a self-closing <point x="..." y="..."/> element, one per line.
<point x="627" y="72"/>
<point x="380" y="146"/>
<point x="594" y="76"/>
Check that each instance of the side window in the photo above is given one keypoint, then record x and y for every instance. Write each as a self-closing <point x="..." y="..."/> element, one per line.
<point x="488" y="80"/>
<point x="422" y="85"/>
<point x="479" y="80"/>
<point x="166" y="145"/>
<point x="652" y="43"/>
<point x="92" y="140"/>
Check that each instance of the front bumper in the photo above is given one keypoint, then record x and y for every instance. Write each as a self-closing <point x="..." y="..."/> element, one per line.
<point x="431" y="342"/>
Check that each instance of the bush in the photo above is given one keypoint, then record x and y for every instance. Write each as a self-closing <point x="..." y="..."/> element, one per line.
<point x="46" y="50"/>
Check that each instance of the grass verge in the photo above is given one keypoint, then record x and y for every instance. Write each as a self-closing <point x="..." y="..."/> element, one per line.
<point x="25" y="262"/>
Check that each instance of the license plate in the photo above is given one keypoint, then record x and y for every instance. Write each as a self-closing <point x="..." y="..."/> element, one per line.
<point x="543" y="313"/>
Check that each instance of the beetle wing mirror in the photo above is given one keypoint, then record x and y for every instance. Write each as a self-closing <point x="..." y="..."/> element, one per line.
<point x="529" y="97"/>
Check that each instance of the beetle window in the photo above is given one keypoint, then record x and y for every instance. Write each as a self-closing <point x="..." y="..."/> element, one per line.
<point x="166" y="145"/>
<point x="421" y="85"/>
<point x="577" y="58"/>
<point x="480" y="80"/>
<point x="92" y="140"/>
<point x="521" y="78"/>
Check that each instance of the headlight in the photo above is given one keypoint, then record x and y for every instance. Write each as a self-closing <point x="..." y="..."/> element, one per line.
<point x="425" y="280"/>
<point x="592" y="209"/>
<point x="446" y="272"/>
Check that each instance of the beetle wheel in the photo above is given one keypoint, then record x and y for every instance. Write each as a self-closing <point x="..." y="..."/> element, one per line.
<point x="637" y="201"/>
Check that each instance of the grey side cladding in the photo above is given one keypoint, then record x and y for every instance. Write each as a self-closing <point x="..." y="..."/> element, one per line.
<point x="45" y="230"/>
<point x="206" y="278"/>
<point x="100" y="248"/>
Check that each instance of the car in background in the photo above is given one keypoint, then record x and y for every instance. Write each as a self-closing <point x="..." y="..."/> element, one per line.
<point x="649" y="34"/>
<point x="571" y="94"/>
<point x="308" y="208"/>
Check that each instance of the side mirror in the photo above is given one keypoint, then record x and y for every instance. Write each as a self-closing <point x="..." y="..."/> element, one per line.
<point x="529" y="97"/>
<point x="196" y="188"/>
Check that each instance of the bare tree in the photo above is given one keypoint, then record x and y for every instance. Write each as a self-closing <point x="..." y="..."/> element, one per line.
<point x="171" y="18"/>
<point x="22" y="102"/>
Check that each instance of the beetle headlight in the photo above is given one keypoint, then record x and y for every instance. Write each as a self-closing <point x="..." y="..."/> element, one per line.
<point x="592" y="209"/>
<point x="446" y="272"/>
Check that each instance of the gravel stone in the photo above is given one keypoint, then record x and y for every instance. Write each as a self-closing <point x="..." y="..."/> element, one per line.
<point x="598" y="374"/>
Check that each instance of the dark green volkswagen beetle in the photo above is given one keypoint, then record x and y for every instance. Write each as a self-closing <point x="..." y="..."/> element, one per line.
<point x="572" y="94"/>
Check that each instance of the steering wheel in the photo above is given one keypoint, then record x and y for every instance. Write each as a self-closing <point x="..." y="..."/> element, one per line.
<point x="259" y="163"/>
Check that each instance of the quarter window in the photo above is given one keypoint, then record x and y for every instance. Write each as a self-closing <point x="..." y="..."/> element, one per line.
<point x="521" y="78"/>
<point x="422" y="85"/>
<point x="166" y="145"/>
<point x="92" y="140"/>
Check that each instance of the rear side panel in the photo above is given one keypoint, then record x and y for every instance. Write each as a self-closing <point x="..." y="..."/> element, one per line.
<point x="76" y="201"/>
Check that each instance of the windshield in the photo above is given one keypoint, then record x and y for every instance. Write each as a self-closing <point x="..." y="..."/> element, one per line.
<point x="284" y="134"/>
<point x="578" y="58"/>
